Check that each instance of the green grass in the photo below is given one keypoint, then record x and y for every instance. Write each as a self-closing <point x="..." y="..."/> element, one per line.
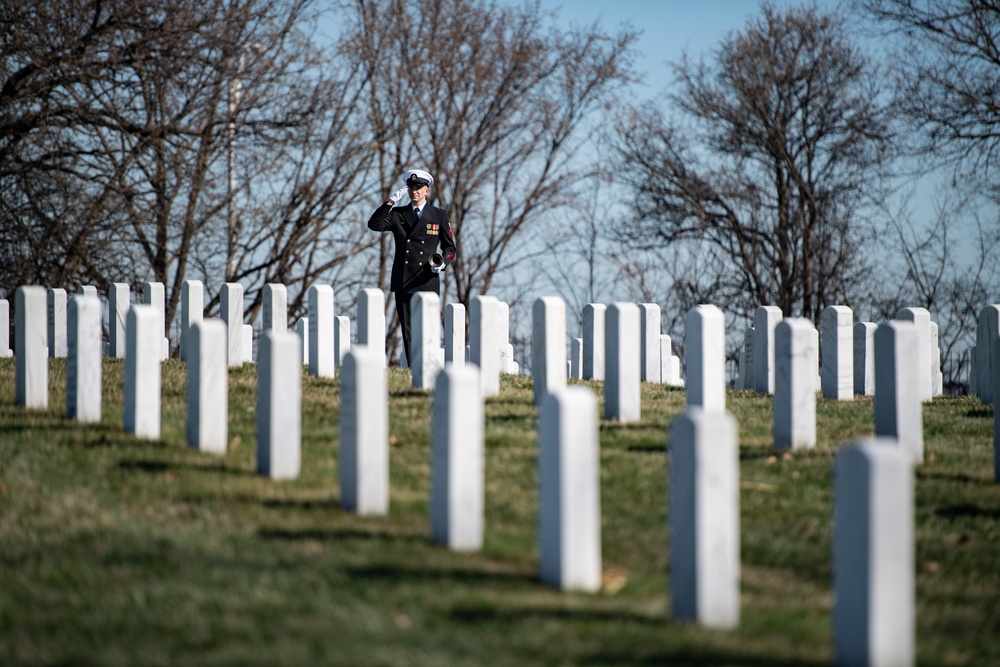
<point x="118" y="551"/>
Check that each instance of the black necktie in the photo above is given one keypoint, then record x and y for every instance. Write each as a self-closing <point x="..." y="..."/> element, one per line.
<point x="416" y="212"/>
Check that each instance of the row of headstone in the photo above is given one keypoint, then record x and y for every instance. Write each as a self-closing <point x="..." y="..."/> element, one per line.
<point x="656" y="358"/>
<point x="33" y="305"/>
<point x="670" y="364"/>
<point x="873" y="546"/>
<point x="897" y="384"/>
<point x="874" y="613"/>
<point x="873" y="549"/>
<point x="846" y="353"/>
<point x="278" y="409"/>
<point x="319" y="345"/>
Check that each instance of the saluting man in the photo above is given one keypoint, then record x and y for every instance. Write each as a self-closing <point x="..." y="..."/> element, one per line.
<point x="417" y="230"/>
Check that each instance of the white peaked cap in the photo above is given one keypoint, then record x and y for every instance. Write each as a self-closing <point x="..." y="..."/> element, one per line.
<point x="418" y="173"/>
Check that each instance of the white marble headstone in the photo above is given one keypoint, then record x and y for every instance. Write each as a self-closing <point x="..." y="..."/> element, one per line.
<point x="987" y="331"/>
<point x="795" y="384"/>
<point x="898" y="394"/>
<point x="623" y="363"/>
<point x="207" y="386"/>
<point x="765" y="319"/>
<point x="321" y="362"/>
<point x="5" y="350"/>
<point x="341" y="338"/>
<point x="247" y="345"/>
<point x="593" y="341"/>
<point x="364" y="432"/>
<point x="837" y="348"/>
<point x="425" y="339"/>
<point x="503" y="337"/>
<point x="484" y="342"/>
<point x="864" y="358"/>
<point x="231" y="307"/>
<point x="649" y="345"/>
<point x="143" y="356"/>
<point x="454" y="334"/>
<point x="705" y="518"/>
<point x="192" y="311"/>
<point x="302" y="331"/>
<point x="548" y="346"/>
<point x="576" y="359"/>
<point x="747" y="360"/>
<point x="279" y="405"/>
<point x="118" y="307"/>
<point x="666" y="366"/>
<point x="569" y="490"/>
<point x="996" y="414"/>
<point x="31" y="366"/>
<point x="275" y="307"/>
<point x="873" y="556"/>
<point x="922" y="318"/>
<point x="457" y="459"/>
<point x="153" y="295"/>
<point x="937" y="380"/>
<point x="705" y="347"/>
<point x="84" y="362"/>
<point x="57" y="322"/>
<point x="371" y="320"/>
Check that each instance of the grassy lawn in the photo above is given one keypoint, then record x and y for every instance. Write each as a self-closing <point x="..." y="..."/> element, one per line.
<point x="117" y="551"/>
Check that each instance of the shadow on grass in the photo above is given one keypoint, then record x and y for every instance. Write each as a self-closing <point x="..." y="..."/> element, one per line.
<point x="331" y="503"/>
<point x="985" y="411"/>
<point x="967" y="511"/>
<point x="409" y="393"/>
<point x="689" y="656"/>
<point x="647" y="449"/>
<point x="400" y="574"/>
<point x="151" y="466"/>
<point x="335" y="534"/>
<point x="486" y="614"/>
<point x="954" y="477"/>
<point x="478" y="614"/>
<point x="612" y="426"/>
<point x="509" y="418"/>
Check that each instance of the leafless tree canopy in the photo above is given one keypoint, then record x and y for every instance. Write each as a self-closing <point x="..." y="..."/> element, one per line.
<point x="948" y="75"/>
<point x="773" y="150"/>
<point x="495" y="103"/>
<point x="172" y="140"/>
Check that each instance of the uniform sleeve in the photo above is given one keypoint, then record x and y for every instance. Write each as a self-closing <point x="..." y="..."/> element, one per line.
<point x="381" y="220"/>
<point x="448" y="247"/>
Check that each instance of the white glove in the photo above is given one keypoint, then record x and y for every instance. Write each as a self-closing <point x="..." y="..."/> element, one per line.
<point x="438" y="269"/>
<point x="397" y="195"/>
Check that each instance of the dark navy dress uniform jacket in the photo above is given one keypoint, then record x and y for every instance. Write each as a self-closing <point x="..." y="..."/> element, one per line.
<point x="416" y="240"/>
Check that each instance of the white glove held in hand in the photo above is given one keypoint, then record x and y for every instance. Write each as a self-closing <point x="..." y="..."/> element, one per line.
<point x="397" y="195"/>
<point x="438" y="269"/>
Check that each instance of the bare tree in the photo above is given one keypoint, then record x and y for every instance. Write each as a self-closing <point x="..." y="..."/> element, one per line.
<point x="768" y="160"/>
<point x="492" y="102"/>
<point x="177" y="139"/>
<point x="949" y="267"/>
<point x="948" y="75"/>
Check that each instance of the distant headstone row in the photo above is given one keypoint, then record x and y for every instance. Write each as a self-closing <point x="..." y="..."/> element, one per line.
<point x="874" y="608"/>
<point x="845" y="355"/>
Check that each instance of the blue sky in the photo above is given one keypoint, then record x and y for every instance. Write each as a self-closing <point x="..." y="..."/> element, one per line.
<point x="668" y="27"/>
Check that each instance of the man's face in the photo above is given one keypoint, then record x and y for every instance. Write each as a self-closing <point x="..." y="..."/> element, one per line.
<point x="418" y="193"/>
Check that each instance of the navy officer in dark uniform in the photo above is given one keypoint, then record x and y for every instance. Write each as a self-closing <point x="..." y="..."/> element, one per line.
<point x="417" y="229"/>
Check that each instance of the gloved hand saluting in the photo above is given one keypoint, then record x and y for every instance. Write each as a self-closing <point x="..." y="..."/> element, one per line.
<point x="397" y="195"/>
